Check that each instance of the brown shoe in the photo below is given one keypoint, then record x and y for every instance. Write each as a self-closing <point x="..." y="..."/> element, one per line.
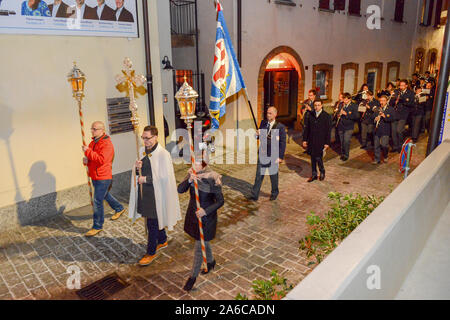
<point x="147" y="259"/>
<point x="117" y="215"/>
<point x="161" y="245"/>
<point x="312" y="179"/>
<point x="92" y="232"/>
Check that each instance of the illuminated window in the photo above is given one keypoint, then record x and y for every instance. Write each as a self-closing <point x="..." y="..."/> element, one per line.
<point x="323" y="80"/>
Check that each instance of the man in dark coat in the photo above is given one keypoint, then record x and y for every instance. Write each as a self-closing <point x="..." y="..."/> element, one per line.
<point x="272" y="135"/>
<point x="61" y="9"/>
<point x="123" y="14"/>
<point x="347" y="117"/>
<point x="382" y="117"/>
<point x="367" y="120"/>
<point x="404" y="105"/>
<point x="308" y="105"/>
<point x="316" y="138"/>
<point x="104" y="12"/>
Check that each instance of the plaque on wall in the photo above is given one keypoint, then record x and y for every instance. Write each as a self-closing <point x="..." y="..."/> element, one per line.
<point x="119" y="115"/>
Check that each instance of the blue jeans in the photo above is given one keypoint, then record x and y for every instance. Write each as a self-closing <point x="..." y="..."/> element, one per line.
<point x="101" y="193"/>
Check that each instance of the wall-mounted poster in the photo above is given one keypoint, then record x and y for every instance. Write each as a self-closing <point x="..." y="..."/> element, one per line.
<point x="109" y="18"/>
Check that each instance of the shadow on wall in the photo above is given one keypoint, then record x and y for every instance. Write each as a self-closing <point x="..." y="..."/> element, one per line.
<point x="39" y="207"/>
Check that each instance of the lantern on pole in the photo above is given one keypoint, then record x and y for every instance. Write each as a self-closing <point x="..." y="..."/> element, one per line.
<point x="187" y="101"/>
<point x="77" y="79"/>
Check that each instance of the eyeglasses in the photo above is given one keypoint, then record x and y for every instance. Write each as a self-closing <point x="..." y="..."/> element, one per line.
<point x="147" y="138"/>
<point x="95" y="129"/>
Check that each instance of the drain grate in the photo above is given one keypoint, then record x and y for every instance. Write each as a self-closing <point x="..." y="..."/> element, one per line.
<point x="103" y="288"/>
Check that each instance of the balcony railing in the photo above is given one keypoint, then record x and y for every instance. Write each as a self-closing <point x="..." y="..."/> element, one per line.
<point x="182" y="17"/>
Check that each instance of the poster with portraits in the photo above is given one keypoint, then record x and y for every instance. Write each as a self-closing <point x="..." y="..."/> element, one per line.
<point x="108" y="18"/>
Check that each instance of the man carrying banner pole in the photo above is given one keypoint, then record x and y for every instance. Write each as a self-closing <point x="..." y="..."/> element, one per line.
<point x="227" y="79"/>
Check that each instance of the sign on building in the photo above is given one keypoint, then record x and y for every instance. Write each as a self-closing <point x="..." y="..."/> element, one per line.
<point x="112" y="18"/>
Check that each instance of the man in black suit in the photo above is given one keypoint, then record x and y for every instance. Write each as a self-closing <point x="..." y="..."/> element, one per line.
<point x="347" y="116"/>
<point x="382" y="117"/>
<point x="272" y="135"/>
<point x="104" y="12"/>
<point x="316" y="138"/>
<point x="123" y="14"/>
<point x="59" y="9"/>
<point x="403" y="106"/>
<point x="86" y="11"/>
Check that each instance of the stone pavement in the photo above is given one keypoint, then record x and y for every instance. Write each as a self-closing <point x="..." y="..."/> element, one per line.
<point x="252" y="239"/>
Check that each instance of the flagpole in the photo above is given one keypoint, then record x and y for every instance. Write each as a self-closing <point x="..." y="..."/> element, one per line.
<point x="251" y="109"/>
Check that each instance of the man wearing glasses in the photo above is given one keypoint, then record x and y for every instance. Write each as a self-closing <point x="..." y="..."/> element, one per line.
<point x="154" y="194"/>
<point x="98" y="158"/>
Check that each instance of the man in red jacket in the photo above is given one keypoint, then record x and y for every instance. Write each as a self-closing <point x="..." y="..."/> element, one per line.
<point x="99" y="158"/>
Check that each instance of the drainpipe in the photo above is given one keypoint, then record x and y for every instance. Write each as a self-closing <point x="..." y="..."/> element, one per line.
<point x="441" y="92"/>
<point x="148" y="65"/>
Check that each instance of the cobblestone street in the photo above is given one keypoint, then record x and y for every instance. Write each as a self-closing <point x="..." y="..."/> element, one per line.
<point x="252" y="239"/>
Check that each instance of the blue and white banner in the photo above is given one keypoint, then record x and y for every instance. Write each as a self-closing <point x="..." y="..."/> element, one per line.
<point x="108" y="18"/>
<point x="226" y="78"/>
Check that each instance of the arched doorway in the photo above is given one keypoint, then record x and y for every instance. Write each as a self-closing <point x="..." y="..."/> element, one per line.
<point x="281" y="83"/>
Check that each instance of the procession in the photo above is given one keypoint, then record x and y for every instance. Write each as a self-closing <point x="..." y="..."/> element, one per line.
<point x="135" y="156"/>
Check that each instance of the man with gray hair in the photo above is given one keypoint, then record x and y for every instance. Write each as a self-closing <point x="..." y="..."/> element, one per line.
<point x="272" y="135"/>
<point x="98" y="158"/>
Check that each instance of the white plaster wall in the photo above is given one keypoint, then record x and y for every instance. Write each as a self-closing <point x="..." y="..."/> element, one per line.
<point x="39" y="117"/>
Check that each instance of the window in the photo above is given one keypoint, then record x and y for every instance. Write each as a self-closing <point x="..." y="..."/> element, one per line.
<point x="393" y="71"/>
<point x="432" y="60"/>
<point x="419" y="60"/>
<point x="437" y="18"/>
<point x="285" y="2"/>
<point x="323" y="80"/>
<point x="399" y="8"/>
<point x="354" y="7"/>
<point x="372" y="75"/>
<point x="349" y="77"/>
<point x="332" y="5"/>
<point x="339" y="4"/>
<point x="427" y="12"/>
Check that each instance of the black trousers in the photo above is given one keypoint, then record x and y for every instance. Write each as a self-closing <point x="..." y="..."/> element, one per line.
<point x="155" y="236"/>
<point x="260" y="172"/>
<point x="317" y="161"/>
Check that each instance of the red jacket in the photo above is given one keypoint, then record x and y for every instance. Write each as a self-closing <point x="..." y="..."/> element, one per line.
<point x="100" y="157"/>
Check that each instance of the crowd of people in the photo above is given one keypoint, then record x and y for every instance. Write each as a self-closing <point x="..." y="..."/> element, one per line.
<point x="381" y="117"/>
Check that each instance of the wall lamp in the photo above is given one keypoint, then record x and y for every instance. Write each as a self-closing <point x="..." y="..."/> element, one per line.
<point x="166" y="63"/>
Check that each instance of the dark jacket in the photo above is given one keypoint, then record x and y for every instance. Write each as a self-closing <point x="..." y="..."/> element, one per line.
<point x="108" y="13"/>
<point x="367" y="117"/>
<point x="419" y="107"/>
<point x="317" y="133"/>
<point x="147" y="204"/>
<point x="405" y="104"/>
<point x="384" y="126"/>
<point x="125" y="16"/>
<point x="347" y="122"/>
<point x="100" y="157"/>
<point x="90" y="13"/>
<point x="62" y="10"/>
<point x="210" y="202"/>
<point x="265" y="149"/>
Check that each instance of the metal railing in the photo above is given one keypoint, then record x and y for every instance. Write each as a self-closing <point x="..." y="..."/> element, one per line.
<point x="182" y="17"/>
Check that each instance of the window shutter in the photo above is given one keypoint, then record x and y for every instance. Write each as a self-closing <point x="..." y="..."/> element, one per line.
<point x="324" y="4"/>
<point x="339" y="4"/>
<point x="399" y="8"/>
<point x="430" y="4"/>
<point x="354" y="7"/>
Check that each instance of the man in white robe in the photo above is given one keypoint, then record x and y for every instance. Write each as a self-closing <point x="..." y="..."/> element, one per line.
<point x="154" y="194"/>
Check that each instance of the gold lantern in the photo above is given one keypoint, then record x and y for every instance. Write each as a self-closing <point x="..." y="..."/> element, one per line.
<point x="187" y="101"/>
<point x="77" y="79"/>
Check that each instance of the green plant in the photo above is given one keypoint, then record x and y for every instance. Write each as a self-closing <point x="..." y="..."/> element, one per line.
<point x="274" y="289"/>
<point x="345" y="214"/>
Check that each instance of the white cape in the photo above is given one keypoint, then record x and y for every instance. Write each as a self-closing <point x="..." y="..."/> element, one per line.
<point x="164" y="184"/>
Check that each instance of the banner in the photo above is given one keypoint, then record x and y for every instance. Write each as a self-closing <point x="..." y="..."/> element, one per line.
<point x="107" y="18"/>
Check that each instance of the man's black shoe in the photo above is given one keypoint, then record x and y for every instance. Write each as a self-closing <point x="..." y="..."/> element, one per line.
<point x="272" y="198"/>
<point x="322" y="177"/>
<point x="363" y="147"/>
<point x="312" y="179"/>
<point x="252" y="198"/>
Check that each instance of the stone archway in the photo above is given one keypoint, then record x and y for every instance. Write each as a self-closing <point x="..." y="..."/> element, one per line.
<point x="298" y="63"/>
